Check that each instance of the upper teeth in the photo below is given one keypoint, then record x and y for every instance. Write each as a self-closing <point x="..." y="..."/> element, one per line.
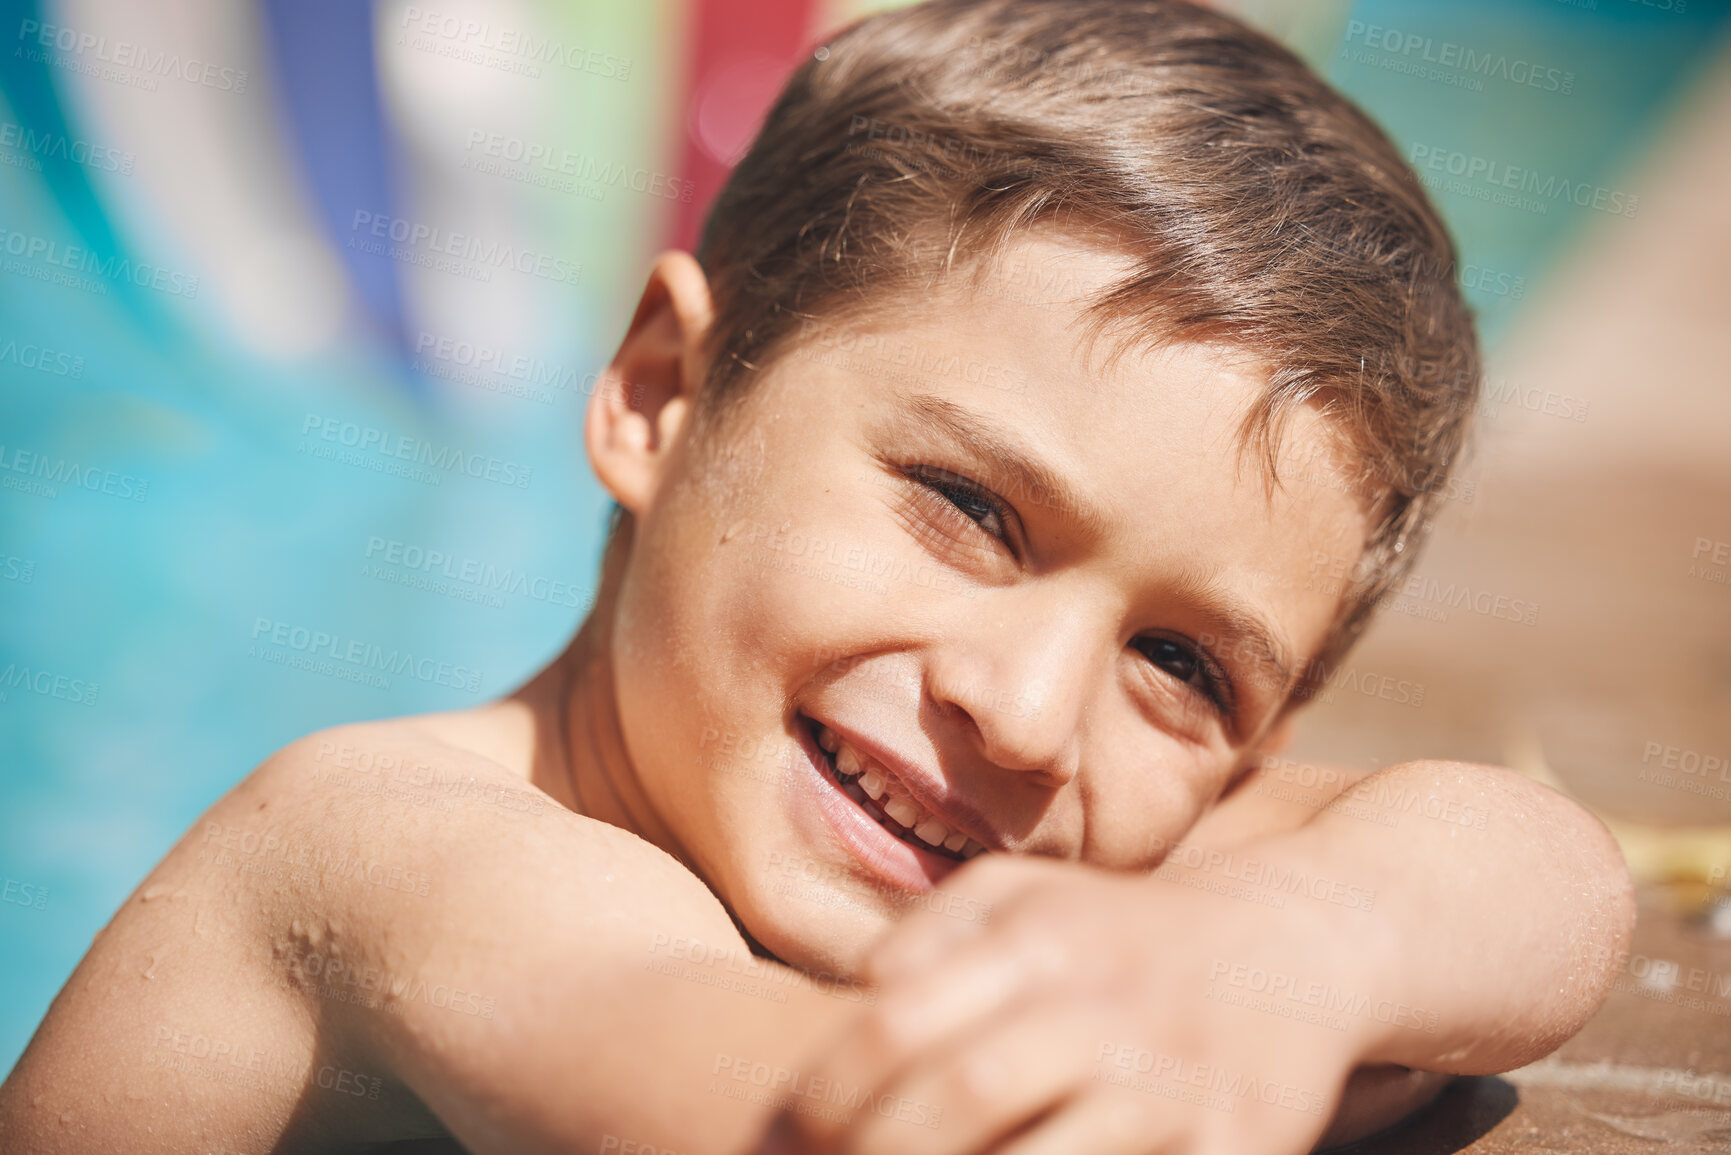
<point x="901" y="809"/>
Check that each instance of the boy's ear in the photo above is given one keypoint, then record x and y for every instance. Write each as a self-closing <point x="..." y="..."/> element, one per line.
<point x="645" y="396"/>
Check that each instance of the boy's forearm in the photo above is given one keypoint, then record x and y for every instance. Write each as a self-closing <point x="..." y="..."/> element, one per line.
<point x="664" y="1062"/>
<point x="1494" y="910"/>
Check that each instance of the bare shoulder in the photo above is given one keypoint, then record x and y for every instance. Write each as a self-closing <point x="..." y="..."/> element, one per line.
<point x="362" y="881"/>
<point x="400" y="814"/>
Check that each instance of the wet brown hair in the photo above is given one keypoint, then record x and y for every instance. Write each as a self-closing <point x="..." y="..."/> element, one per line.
<point x="1262" y="209"/>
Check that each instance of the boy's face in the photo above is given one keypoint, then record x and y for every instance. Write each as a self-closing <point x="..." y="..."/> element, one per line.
<point x="1044" y="603"/>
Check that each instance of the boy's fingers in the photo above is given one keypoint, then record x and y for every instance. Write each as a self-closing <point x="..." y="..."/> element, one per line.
<point x="917" y="944"/>
<point x="973" y="899"/>
<point x="987" y="1085"/>
<point x="1101" y="1124"/>
<point x="914" y="1018"/>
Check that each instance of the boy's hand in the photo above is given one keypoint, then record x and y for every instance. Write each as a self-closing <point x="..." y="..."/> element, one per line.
<point x="1086" y="1016"/>
<point x="1114" y="1013"/>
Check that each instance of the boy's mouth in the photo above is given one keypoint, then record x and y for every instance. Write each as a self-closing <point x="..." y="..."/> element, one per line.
<point x="885" y="799"/>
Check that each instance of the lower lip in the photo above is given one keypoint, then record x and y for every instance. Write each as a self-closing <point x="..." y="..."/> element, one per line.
<point x="892" y="860"/>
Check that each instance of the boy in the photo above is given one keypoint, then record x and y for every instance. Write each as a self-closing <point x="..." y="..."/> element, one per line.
<point x="967" y="486"/>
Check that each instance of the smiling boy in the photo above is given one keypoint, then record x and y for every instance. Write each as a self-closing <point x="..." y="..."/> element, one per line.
<point x="968" y="482"/>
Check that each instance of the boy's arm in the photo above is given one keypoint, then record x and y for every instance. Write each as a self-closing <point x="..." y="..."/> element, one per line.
<point x="620" y="1008"/>
<point x="1224" y="1002"/>
<point x="316" y="965"/>
<point x="1509" y="906"/>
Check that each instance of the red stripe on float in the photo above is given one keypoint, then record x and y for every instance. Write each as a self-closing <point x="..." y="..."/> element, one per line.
<point x="741" y="53"/>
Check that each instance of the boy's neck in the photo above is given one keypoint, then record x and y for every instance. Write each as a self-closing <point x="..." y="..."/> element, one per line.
<point x="579" y="753"/>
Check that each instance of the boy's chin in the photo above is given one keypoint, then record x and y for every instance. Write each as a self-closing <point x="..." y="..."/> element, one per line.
<point x="820" y="942"/>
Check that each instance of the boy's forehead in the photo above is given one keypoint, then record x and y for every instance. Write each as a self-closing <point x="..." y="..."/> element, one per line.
<point x="1015" y="343"/>
<point x="1045" y="264"/>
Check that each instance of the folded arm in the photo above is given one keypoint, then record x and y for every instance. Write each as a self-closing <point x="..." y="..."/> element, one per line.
<point x="1293" y="975"/>
<point x="316" y="966"/>
<point x="1500" y="907"/>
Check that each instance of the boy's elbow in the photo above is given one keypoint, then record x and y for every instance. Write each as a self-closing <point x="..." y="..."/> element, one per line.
<point x="1558" y="839"/>
<point x="1575" y="849"/>
<point x="1611" y="890"/>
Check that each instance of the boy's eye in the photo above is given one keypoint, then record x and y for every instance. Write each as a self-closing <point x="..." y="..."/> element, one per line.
<point x="979" y="506"/>
<point x="1184" y="663"/>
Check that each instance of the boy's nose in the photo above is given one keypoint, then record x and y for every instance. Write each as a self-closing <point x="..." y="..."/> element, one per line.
<point x="1023" y="684"/>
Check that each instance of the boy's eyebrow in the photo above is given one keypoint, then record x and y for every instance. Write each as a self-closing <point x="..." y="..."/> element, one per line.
<point x="1242" y="631"/>
<point x="997" y="445"/>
